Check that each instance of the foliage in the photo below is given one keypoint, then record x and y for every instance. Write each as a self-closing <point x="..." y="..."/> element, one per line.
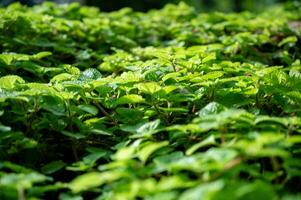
<point x="169" y="104"/>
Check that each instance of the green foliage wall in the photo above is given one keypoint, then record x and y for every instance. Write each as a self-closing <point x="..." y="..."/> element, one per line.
<point x="164" y="105"/>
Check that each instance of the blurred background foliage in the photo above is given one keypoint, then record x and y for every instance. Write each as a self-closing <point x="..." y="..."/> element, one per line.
<point x="144" y="5"/>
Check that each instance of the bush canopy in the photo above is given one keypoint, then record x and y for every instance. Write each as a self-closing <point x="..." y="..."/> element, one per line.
<point x="164" y="105"/>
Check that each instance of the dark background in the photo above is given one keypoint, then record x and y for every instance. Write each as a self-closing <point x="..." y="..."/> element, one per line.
<point x="207" y="5"/>
<point x="144" y="5"/>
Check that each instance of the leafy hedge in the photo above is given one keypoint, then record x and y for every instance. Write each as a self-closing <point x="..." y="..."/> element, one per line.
<point x="169" y="104"/>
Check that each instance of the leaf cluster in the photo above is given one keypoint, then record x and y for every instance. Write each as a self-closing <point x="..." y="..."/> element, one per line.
<point x="164" y="105"/>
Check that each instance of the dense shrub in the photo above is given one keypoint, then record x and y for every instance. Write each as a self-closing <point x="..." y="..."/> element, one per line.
<point x="169" y="104"/>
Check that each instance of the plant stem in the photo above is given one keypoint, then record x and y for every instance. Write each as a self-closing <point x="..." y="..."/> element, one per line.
<point x="103" y="111"/>
<point x="21" y="194"/>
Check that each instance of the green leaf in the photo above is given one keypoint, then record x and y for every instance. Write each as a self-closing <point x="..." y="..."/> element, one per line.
<point x="53" y="104"/>
<point x="4" y="128"/>
<point x="150" y="148"/>
<point x="209" y="58"/>
<point x="148" y="88"/>
<point x="93" y="179"/>
<point x="130" y="99"/>
<point x="211" y="108"/>
<point x="129" y="115"/>
<point x="90" y="74"/>
<point x="289" y="40"/>
<point x="209" y="76"/>
<point x="87" y="181"/>
<point x="9" y="82"/>
<point x="147" y="129"/>
<point x="89" y="109"/>
<point x="203" y="191"/>
<point x="70" y="197"/>
<point x="6" y="58"/>
<point x="257" y="190"/>
<point x="61" y="77"/>
<point x="164" y="161"/>
<point x="71" y="69"/>
<point x="41" y="55"/>
<point x="53" y="167"/>
<point x="77" y="136"/>
<point x="208" y="141"/>
<point x="21" y="180"/>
